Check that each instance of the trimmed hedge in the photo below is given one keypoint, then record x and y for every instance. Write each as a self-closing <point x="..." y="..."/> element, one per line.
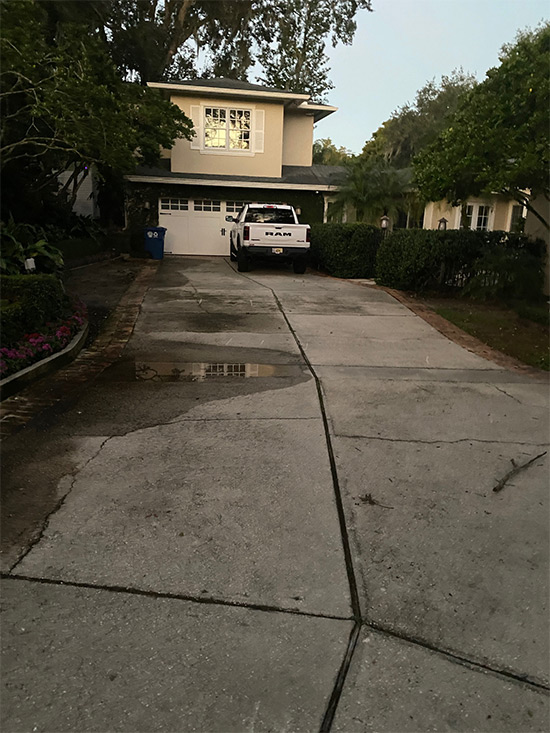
<point x="28" y="303"/>
<point x="481" y="264"/>
<point x="345" y="250"/>
<point x="80" y="247"/>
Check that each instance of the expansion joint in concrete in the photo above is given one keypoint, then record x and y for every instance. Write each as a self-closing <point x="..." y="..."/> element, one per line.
<point x="334" y="699"/>
<point x="188" y="598"/>
<point x="458" y="658"/>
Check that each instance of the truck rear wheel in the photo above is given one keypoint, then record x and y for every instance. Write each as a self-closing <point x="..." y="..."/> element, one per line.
<point x="299" y="265"/>
<point x="243" y="263"/>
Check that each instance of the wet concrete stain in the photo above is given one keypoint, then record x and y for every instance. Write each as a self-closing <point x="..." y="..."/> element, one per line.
<point x="31" y="472"/>
<point x="117" y="402"/>
<point x="169" y="371"/>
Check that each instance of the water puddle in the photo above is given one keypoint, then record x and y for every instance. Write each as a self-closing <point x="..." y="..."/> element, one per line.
<point x="169" y="371"/>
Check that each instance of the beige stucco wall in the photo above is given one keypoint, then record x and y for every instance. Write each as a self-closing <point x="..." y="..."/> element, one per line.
<point x="268" y="163"/>
<point x="435" y="211"/>
<point x="502" y="214"/>
<point x="297" y="139"/>
<point x="499" y="218"/>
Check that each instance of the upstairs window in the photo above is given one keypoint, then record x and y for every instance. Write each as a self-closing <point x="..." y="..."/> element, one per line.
<point x="227" y="129"/>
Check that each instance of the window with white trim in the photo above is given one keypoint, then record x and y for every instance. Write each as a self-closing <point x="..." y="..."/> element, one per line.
<point x="206" y="205"/>
<point x="225" y="370"/>
<point x="477" y="217"/>
<point x="482" y="223"/>
<point x="517" y="219"/>
<point x="227" y="128"/>
<point x="174" y="204"/>
<point x="233" y="207"/>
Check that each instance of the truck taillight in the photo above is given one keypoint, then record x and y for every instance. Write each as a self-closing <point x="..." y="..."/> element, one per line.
<point x="246" y="233"/>
<point x="307" y="236"/>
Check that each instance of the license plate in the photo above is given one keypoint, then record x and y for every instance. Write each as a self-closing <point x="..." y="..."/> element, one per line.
<point x="277" y="250"/>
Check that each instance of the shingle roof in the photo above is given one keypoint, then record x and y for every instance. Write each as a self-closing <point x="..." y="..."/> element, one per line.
<point x="226" y="83"/>
<point x="312" y="176"/>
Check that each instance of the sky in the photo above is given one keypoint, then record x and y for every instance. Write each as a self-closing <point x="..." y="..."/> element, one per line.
<point x="405" y="43"/>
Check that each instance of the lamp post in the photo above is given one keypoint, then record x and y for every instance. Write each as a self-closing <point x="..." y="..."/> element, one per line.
<point x="442" y="224"/>
<point x="384" y="224"/>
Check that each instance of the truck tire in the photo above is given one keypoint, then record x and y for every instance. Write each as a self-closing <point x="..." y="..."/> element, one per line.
<point x="299" y="265"/>
<point x="243" y="263"/>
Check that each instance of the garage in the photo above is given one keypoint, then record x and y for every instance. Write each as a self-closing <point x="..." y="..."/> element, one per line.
<point x="196" y="226"/>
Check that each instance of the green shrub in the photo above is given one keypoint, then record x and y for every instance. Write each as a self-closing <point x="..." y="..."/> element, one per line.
<point x="79" y="247"/>
<point x="533" y="312"/>
<point x="506" y="273"/>
<point x="345" y="250"/>
<point x="29" y="302"/>
<point x="11" y="320"/>
<point x="20" y="241"/>
<point x="481" y="264"/>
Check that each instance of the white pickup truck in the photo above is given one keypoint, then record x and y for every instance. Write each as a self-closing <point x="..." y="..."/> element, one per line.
<point x="269" y="230"/>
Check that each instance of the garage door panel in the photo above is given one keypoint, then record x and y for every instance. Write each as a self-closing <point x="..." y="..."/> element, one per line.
<point x="194" y="226"/>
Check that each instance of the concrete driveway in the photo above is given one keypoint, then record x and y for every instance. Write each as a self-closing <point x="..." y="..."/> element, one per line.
<point x="275" y="512"/>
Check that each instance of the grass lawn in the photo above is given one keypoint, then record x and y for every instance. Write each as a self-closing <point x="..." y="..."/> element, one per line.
<point x="525" y="336"/>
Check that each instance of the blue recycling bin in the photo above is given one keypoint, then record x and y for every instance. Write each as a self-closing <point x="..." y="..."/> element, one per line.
<point x="154" y="241"/>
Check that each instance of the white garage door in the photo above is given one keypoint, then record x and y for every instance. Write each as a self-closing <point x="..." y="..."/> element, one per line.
<point x="196" y="226"/>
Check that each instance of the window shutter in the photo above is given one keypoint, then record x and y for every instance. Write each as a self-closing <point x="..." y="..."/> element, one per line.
<point x="196" y="142"/>
<point x="259" y="117"/>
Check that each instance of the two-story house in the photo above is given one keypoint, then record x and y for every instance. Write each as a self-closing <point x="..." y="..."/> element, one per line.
<point x="251" y="143"/>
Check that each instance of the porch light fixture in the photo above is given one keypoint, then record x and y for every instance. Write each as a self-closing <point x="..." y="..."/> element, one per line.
<point x="384" y="222"/>
<point x="442" y="223"/>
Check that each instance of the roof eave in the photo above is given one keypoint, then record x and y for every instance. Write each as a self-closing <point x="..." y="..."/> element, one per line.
<point x="280" y="185"/>
<point x="227" y="92"/>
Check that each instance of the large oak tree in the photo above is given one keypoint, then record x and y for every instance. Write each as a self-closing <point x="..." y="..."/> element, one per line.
<point x="498" y="140"/>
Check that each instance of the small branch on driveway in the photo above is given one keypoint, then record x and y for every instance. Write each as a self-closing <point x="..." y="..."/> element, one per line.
<point x="368" y="499"/>
<point x="503" y="481"/>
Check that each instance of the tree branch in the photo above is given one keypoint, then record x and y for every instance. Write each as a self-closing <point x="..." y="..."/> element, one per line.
<point x="525" y="201"/>
<point x="515" y="470"/>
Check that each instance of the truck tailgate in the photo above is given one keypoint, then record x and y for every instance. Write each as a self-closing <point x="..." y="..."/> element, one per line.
<point x="278" y="235"/>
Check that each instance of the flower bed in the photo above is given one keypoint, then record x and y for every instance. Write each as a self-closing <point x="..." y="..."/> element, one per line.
<point x="37" y="346"/>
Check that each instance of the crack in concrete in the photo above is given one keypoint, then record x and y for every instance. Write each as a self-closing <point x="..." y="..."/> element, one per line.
<point x="439" y="442"/>
<point x="507" y="395"/>
<point x="182" y="420"/>
<point x="58" y="505"/>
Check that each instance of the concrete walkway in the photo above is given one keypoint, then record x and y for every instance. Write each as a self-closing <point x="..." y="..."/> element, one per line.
<point x="275" y="512"/>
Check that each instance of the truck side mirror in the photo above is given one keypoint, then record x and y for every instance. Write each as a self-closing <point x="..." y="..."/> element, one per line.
<point x="229" y="218"/>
